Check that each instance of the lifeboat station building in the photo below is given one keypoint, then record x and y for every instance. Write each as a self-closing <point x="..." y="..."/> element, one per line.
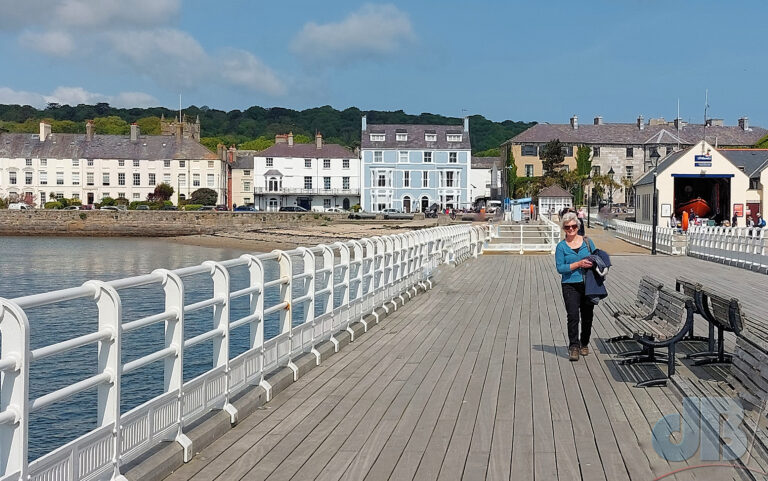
<point x="713" y="183"/>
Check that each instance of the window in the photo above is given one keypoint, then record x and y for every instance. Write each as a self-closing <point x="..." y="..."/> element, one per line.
<point x="27" y="178"/>
<point x="135" y="163"/>
<point x="326" y="163"/>
<point x="454" y="137"/>
<point x="401" y="136"/>
<point x="630" y="152"/>
<point x="166" y="178"/>
<point x="630" y="171"/>
<point x="378" y="156"/>
<point x="529" y="170"/>
<point x="195" y="180"/>
<point x="406" y="179"/>
<point x="427" y="157"/>
<point x="136" y="196"/>
<point x="121" y="195"/>
<point x="12" y="177"/>
<point x="453" y="157"/>
<point x="595" y="151"/>
<point x="43" y="162"/>
<point x="273" y="185"/>
<point x="182" y="180"/>
<point x="595" y="170"/>
<point x="567" y="150"/>
<point x="59" y="178"/>
<point x="247" y="173"/>
<point x="136" y="179"/>
<point x="166" y="163"/>
<point x="182" y="164"/>
<point x="75" y="195"/>
<point x="425" y="179"/>
<point x="105" y="179"/>
<point x="754" y="183"/>
<point x="210" y="164"/>
<point x="75" y="162"/>
<point x="382" y="180"/>
<point x="75" y="178"/>
<point x="43" y="178"/>
<point x="307" y="163"/>
<point x="307" y="182"/>
<point x="379" y="137"/>
<point x="211" y="180"/>
<point x="246" y="186"/>
<point x="42" y="197"/>
<point x="121" y="178"/>
<point x="345" y="183"/>
<point x="530" y="150"/>
<point x="345" y="164"/>
<point x="448" y="179"/>
<point x="28" y="162"/>
<point x="327" y="203"/>
<point x="89" y="162"/>
<point x="327" y="183"/>
<point x="59" y="195"/>
<point x="152" y="179"/>
<point x="89" y="178"/>
<point x="270" y="162"/>
<point x="402" y="156"/>
<point x="430" y="137"/>
<point x="121" y="163"/>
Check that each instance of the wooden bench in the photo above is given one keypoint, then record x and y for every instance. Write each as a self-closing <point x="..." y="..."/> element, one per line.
<point x="693" y="290"/>
<point x="669" y="322"/>
<point x="642" y="308"/>
<point x="723" y="314"/>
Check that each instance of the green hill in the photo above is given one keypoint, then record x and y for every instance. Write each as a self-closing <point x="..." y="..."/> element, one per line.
<point x="254" y="128"/>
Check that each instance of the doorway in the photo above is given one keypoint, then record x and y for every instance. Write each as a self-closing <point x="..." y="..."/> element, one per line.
<point x="424" y="203"/>
<point x="407" y="204"/>
<point x="90" y="197"/>
<point x="304" y="202"/>
<point x="345" y="204"/>
<point x="753" y="208"/>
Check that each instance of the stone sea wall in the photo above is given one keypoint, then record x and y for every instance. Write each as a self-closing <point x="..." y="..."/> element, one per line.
<point x="148" y="223"/>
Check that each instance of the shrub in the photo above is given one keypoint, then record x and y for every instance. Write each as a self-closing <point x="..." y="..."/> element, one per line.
<point x="204" y="196"/>
<point x="83" y="215"/>
<point x="53" y="205"/>
<point x="192" y="206"/>
<point x="106" y="201"/>
<point x="356" y="208"/>
<point x="136" y="203"/>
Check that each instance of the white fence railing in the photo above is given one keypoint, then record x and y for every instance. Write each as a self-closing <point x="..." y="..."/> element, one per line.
<point x="538" y="237"/>
<point x="744" y="247"/>
<point x="346" y="280"/>
<point x="642" y="235"/>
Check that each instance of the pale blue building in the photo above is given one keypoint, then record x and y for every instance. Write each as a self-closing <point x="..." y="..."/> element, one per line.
<point x="410" y="167"/>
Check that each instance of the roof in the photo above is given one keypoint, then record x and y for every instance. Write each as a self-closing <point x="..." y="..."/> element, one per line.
<point x="244" y="162"/>
<point x="308" y="151"/>
<point x="273" y="172"/>
<point x="554" y="191"/>
<point x="752" y="160"/>
<point x="486" y="162"/>
<point x="70" y="146"/>
<point x="416" y="138"/>
<point x="630" y="134"/>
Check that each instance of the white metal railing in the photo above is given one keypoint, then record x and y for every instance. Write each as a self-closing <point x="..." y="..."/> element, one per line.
<point x="642" y="235"/>
<point x="745" y="247"/>
<point x="347" y="280"/>
<point x="538" y="237"/>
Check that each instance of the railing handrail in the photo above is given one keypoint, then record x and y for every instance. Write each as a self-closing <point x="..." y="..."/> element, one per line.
<point x="372" y="271"/>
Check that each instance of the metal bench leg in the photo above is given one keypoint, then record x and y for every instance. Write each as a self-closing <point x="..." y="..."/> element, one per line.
<point x="710" y="339"/>
<point x="662" y="381"/>
<point x="649" y="358"/>
<point x="618" y="339"/>
<point x="719" y="356"/>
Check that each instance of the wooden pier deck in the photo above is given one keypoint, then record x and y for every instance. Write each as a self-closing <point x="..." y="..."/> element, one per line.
<point x="471" y="381"/>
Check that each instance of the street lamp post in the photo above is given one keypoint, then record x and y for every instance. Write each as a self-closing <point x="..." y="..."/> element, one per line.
<point x="610" y="199"/>
<point x="589" y="200"/>
<point x="655" y="221"/>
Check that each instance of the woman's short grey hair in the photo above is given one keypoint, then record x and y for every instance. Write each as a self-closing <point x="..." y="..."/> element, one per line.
<point x="569" y="217"/>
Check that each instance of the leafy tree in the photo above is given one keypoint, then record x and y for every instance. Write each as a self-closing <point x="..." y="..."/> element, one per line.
<point x="583" y="167"/>
<point x="107" y="201"/>
<point x="602" y="184"/>
<point x="552" y="158"/>
<point x="149" y="125"/>
<point x="204" y="196"/>
<point x="111" y="125"/>
<point x="260" y="143"/>
<point x="511" y="167"/>
<point x="488" y="153"/>
<point x="762" y="143"/>
<point x="162" y="192"/>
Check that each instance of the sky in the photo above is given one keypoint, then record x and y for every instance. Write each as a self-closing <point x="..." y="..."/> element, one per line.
<point x="520" y="60"/>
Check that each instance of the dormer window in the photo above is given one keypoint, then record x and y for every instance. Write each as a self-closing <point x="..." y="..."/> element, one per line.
<point x="402" y="137"/>
<point x="378" y="137"/>
<point x="430" y="137"/>
<point x="454" y="137"/>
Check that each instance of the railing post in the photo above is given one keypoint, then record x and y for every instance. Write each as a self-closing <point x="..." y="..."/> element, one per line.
<point x="110" y="314"/>
<point x="286" y="294"/>
<point x="14" y="395"/>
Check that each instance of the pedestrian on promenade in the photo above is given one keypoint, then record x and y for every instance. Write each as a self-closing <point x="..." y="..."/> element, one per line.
<point x="571" y="262"/>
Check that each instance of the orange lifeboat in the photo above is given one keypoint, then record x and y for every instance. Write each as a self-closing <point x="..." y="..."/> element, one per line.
<point x="699" y="206"/>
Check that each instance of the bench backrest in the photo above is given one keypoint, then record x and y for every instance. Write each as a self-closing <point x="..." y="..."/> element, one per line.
<point x="676" y="309"/>
<point x="722" y="310"/>
<point x="648" y="292"/>
<point x="691" y="289"/>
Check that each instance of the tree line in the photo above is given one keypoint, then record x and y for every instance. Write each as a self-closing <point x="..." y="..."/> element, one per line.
<point x="254" y="128"/>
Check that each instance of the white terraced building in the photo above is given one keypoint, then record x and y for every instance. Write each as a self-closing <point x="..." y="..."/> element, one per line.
<point x="89" y="167"/>
<point x="315" y="176"/>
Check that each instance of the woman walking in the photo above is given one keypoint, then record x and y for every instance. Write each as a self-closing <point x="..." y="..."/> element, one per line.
<point x="570" y="258"/>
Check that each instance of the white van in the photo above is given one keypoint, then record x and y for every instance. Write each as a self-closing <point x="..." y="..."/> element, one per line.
<point x="492" y="205"/>
<point x="19" y="206"/>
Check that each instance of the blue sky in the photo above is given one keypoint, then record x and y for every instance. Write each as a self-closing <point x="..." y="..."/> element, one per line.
<point x="532" y="60"/>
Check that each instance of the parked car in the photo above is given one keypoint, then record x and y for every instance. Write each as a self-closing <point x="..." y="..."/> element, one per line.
<point x="390" y="211"/>
<point x="336" y="210"/>
<point x="207" y="207"/>
<point x="19" y="206"/>
<point x="292" y="208"/>
<point x="142" y="207"/>
<point x="72" y="207"/>
<point x="110" y="207"/>
<point x="169" y="207"/>
<point x="245" y="208"/>
<point x="221" y="207"/>
<point x="86" y="207"/>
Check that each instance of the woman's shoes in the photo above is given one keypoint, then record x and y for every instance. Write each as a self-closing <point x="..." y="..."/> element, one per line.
<point x="574" y="354"/>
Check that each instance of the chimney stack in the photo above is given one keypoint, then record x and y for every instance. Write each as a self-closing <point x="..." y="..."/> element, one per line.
<point x="640" y="122"/>
<point x="466" y="124"/>
<point x="89" y="130"/>
<point x="744" y="123"/>
<point x="290" y="139"/>
<point x="135" y="132"/>
<point x="599" y="120"/>
<point x="45" y="131"/>
<point x="679" y="124"/>
<point x="281" y="138"/>
<point x="365" y="123"/>
<point x="575" y="122"/>
<point x="319" y="140"/>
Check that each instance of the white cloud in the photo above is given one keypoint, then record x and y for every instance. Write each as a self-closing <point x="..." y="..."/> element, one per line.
<point x="372" y="31"/>
<point x="87" y="13"/>
<point x="241" y="68"/>
<point x="128" y="100"/>
<point x="54" y="43"/>
<point x="75" y="96"/>
<point x="20" y="97"/>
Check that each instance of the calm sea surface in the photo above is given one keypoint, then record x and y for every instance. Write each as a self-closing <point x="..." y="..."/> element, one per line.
<point x="34" y="265"/>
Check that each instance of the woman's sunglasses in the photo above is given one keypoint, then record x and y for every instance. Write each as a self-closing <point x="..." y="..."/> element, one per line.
<point x="570" y="227"/>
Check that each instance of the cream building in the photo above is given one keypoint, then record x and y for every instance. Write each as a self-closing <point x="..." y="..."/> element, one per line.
<point x="728" y="180"/>
<point x="242" y="179"/>
<point x="90" y="167"/>
<point x="484" y="179"/>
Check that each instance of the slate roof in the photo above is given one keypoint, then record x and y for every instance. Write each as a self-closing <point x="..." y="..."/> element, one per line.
<point x="629" y="134"/>
<point x="243" y="162"/>
<point x="308" y="151"/>
<point x="554" y="191"/>
<point x="274" y="172"/>
<point x="485" y="162"/>
<point x="752" y="160"/>
<point x="71" y="146"/>
<point x="415" y="137"/>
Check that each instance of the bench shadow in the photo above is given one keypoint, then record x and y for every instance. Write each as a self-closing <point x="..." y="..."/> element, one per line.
<point x="630" y="373"/>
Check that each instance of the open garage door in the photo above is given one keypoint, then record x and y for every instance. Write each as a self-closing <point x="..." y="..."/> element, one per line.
<point x="708" y="196"/>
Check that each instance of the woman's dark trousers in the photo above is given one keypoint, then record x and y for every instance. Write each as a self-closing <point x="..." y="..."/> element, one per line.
<point x="576" y="303"/>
